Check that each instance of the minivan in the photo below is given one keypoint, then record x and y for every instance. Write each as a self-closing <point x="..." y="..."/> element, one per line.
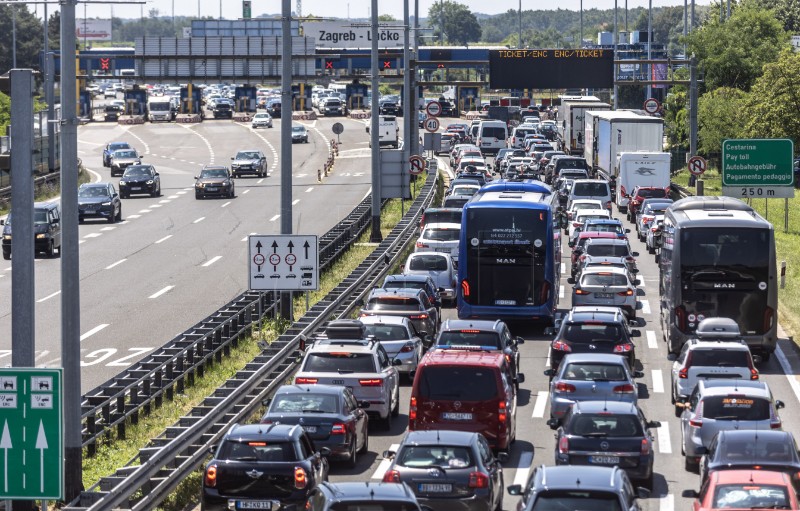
<point x="466" y="391"/>
<point x="492" y="136"/>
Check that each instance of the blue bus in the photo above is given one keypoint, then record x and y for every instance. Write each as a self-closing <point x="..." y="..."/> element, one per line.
<point x="509" y="254"/>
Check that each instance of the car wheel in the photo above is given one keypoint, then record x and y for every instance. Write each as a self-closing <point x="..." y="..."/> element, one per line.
<point x="154" y="193"/>
<point x="113" y="217"/>
<point x="689" y="464"/>
<point x="353" y="460"/>
<point x="232" y="194"/>
<point x="648" y="482"/>
<point x="396" y="409"/>
<point x="197" y="195"/>
<point x="50" y="250"/>
<point x="387" y="421"/>
<point x="119" y="214"/>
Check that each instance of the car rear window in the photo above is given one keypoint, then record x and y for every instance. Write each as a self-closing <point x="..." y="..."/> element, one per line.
<point x="375" y="505"/>
<point x="428" y="263"/>
<point x="755" y="449"/>
<point x="593" y="332"/>
<point x="469" y="338"/>
<point x="437" y="234"/>
<point x="569" y="500"/>
<point x="751" y="496"/>
<point x="387" y="332"/>
<point x="456" y="201"/>
<point x="605" y="425"/>
<point x="493" y="132"/>
<point x="584" y="371"/>
<point x="445" y="456"/>
<point x="590" y="189"/>
<point x="305" y="402"/>
<point x="257" y="450"/>
<point x="652" y="192"/>
<point x="733" y="407"/>
<point x="340" y="362"/>
<point x="607" y="250"/>
<point x="604" y="279"/>
<point x="392" y="303"/>
<point x="720" y="358"/>
<point x="457" y="383"/>
<point x="604" y="228"/>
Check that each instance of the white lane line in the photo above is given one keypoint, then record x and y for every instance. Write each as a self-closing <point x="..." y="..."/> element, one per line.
<point x="541" y="404"/>
<point x="144" y="211"/>
<point x="152" y="206"/>
<point x="658" y="382"/>
<point x="274" y="218"/>
<point x="133" y="216"/>
<point x="43" y="354"/>
<point x="384" y="464"/>
<point x="547" y="362"/>
<point x="787" y="370"/>
<point x="294" y="202"/>
<point x="308" y="190"/>
<point x="246" y="191"/>
<point x="259" y="181"/>
<point x="666" y="503"/>
<point x="182" y="192"/>
<point x="199" y="220"/>
<point x="664" y="443"/>
<point x="165" y="201"/>
<point x="523" y="468"/>
<point x="40" y="300"/>
<point x="187" y="190"/>
<point x="165" y="238"/>
<point x="651" y="339"/>
<point x="641" y="282"/>
<point x="645" y="306"/>
<point x="161" y="292"/>
<point x="81" y="242"/>
<point x="93" y="235"/>
<point x="561" y="291"/>
<point x="244" y="239"/>
<point x="226" y="204"/>
<point x="304" y="175"/>
<point x="174" y="196"/>
<point x="563" y="268"/>
<point x="109" y="228"/>
<point x="212" y="261"/>
<point x="8" y="269"/>
<point x="115" y="264"/>
<point x="93" y="331"/>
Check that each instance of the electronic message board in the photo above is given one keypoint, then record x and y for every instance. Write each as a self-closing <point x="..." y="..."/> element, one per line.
<point x="551" y="69"/>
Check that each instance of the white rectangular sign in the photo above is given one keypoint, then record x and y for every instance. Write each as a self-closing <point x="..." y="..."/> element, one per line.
<point x="796" y="42"/>
<point x="92" y="30"/>
<point x="283" y="262"/>
<point x="342" y="34"/>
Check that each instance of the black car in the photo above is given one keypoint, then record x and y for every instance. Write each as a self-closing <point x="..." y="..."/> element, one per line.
<point x="448" y="109"/>
<point x="448" y="470"/>
<point x="99" y="200"/>
<point x="140" y="179"/>
<point x="592" y="329"/>
<point x="112" y="113"/>
<point x="415" y="282"/>
<point x="274" y="108"/>
<point x="251" y="161"/>
<point x="329" y="414"/>
<point x="109" y="149"/>
<point x="368" y="496"/>
<point x="746" y="448"/>
<point x="606" y="433"/>
<point x="46" y="229"/>
<point x="214" y="181"/>
<point x="223" y="109"/>
<point x="390" y="108"/>
<point x="259" y="466"/>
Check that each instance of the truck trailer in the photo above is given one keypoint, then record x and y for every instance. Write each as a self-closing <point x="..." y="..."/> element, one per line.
<point x="609" y="133"/>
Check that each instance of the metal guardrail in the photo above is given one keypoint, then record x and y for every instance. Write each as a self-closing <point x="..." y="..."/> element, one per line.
<point x="182" y="448"/>
<point x="679" y="192"/>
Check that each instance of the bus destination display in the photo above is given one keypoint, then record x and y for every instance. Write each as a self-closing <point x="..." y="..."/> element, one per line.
<point x="551" y="69"/>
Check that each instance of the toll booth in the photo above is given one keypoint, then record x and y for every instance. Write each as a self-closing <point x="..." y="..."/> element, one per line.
<point x="356" y="96"/>
<point x="191" y="105"/>
<point x="135" y="101"/>
<point x="245" y="99"/>
<point x="468" y="99"/>
<point x="301" y="97"/>
<point x="85" y="104"/>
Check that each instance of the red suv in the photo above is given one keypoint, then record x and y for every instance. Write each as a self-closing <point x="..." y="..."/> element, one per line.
<point x="639" y="194"/>
<point x="466" y="391"/>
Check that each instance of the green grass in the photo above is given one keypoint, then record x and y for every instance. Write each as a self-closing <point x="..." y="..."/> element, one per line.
<point x="113" y="454"/>
<point x="50" y="190"/>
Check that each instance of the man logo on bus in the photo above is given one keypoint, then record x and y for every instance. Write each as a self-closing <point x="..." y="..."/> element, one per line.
<point x="506" y="261"/>
<point x="724" y="285"/>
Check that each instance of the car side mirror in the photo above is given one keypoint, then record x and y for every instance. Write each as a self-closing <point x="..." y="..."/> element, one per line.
<point x="636" y="333"/>
<point x="638" y="374"/>
<point x="654" y="424"/>
<point x="266" y="402"/>
<point x="363" y="404"/>
<point x="212" y="449"/>
<point x="397" y="362"/>
<point x="232" y="158"/>
<point x="637" y="282"/>
<point x="757" y="359"/>
<point x="627" y="231"/>
<point x="367" y="129"/>
<point x="502" y="457"/>
<point x="552" y="423"/>
<point x="325" y="451"/>
<point x="571" y="280"/>
<point x="642" y="493"/>
<point x="519" y="340"/>
<point x="690" y="494"/>
<point x="520" y="378"/>
<point x="388" y="454"/>
<point x="635" y="254"/>
<point x="422" y="334"/>
<point x="196" y="177"/>
<point x="549" y="372"/>
<point x="779" y="404"/>
<point x="571" y="244"/>
<point x="514" y="489"/>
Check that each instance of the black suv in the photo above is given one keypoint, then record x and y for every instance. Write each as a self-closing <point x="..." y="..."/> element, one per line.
<point x="261" y="466"/>
<point x="390" y="108"/>
<point x="223" y="109"/>
<point x="99" y="200"/>
<point x="139" y="179"/>
<point x="448" y="109"/>
<point x="46" y="229"/>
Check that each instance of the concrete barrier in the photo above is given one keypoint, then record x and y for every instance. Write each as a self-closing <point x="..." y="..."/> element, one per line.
<point x="188" y="118"/>
<point x="131" y="119"/>
<point x="471" y="116"/>
<point x="304" y="116"/>
<point x="360" y="114"/>
<point x="243" y="116"/>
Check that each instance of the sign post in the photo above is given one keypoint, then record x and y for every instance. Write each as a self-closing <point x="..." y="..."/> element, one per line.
<point x="758" y="168"/>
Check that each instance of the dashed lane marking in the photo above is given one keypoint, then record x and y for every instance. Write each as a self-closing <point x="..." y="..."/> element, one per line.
<point x="115" y="264"/>
<point x="93" y="235"/>
<point x="274" y="218"/>
<point x="246" y="191"/>
<point x="645" y="306"/>
<point x="664" y="443"/>
<point x="161" y="292"/>
<point x="309" y="189"/>
<point x="651" y="339"/>
<point x="165" y="238"/>
<point x="384" y="464"/>
<point x="51" y="295"/>
<point x="541" y="404"/>
<point x="199" y="220"/>
<point x="226" y="204"/>
<point x="294" y="202"/>
<point x="658" y="382"/>
<point x="212" y="261"/>
<point x="93" y="331"/>
<point x="523" y="468"/>
<point x="666" y="503"/>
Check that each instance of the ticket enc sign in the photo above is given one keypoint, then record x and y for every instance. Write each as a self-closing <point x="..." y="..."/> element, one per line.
<point x="345" y="34"/>
<point x="551" y="69"/>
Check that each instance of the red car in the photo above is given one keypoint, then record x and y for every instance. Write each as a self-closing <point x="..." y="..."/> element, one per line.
<point x="745" y="489"/>
<point x="641" y="193"/>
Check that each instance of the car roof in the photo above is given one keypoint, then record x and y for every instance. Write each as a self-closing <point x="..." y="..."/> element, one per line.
<point x="597" y="234"/>
<point x="439" y="436"/>
<point x="411" y="277"/>
<point x="604" y="269"/>
<point x="385" y="320"/>
<point x="582" y="358"/>
<point x="429" y="253"/>
<point x="765" y="435"/>
<point x="443" y="225"/>
<point x="608" y="241"/>
<point x="585" y="477"/>
<point x="215" y="167"/>
<point x="604" y="221"/>
<point x="600" y="406"/>
<point x="396" y="291"/>
<point x="583" y="313"/>
<point x="273" y="431"/>
<point x="350" y="491"/>
<point x="721" y="387"/>
<point x="750" y="477"/>
<point x="316" y="389"/>
<point x="463" y="358"/>
<point x="471" y="324"/>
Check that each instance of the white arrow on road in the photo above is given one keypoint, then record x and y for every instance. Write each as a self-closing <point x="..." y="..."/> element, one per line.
<point x="5" y="444"/>
<point x="41" y="444"/>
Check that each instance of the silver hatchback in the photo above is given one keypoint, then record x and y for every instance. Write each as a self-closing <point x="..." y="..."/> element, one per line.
<point x="607" y="286"/>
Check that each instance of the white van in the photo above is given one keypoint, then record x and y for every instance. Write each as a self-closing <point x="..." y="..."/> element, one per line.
<point x="492" y="136"/>
<point x="388" y="131"/>
<point x="597" y="189"/>
<point x="640" y="169"/>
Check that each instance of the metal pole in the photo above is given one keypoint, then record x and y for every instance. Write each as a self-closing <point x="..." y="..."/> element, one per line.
<point x="729" y="11"/>
<point x="50" y="97"/>
<point x="626" y="15"/>
<point x="70" y="271"/>
<point x="692" y="109"/>
<point x="408" y="100"/>
<point x="685" y="24"/>
<point x="649" y="46"/>
<point x="414" y="124"/>
<point x="520" y="25"/>
<point x="173" y="16"/>
<point x="375" y="236"/>
<point x="616" y="39"/>
<point x="286" y="136"/>
<point x="13" y="37"/>
<point x="580" y="39"/>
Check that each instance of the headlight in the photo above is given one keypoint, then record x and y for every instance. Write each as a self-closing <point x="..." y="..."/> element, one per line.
<point x="106" y="204"/>
<point x="226" y="182"/>
<point x="123" y="183"/>
<point x="199" y="185"/>
<point x="39" y="236"/>
<point x="6" y="236"/>
<point x="150" y="182"/>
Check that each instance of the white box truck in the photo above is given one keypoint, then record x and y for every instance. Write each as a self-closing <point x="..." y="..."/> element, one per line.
<point x="640" y="168"/>
<point x="159" y="109"/>
<point x="573" y="115"/>
<point x="611" y="132"/>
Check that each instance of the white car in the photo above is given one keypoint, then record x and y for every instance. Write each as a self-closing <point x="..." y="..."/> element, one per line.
<point x="261" y="120"/>
<point x="580" y="204"/>
<point x="443" y="237"/>
<point x="109" y="92"/>
<point x="400" y="338"/>
<point x="582" y="216"/>
<point x="650" y="240"/>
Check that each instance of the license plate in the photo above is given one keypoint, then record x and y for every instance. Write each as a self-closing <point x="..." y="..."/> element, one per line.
<point x="505" y="302"/>
<point x="445" y="250"/>
<point x="457" y="416"/>
<point x="603" y="295"/>
<point x="310" y="429"/>
<point x="136" y="188"/>
<point x="90" y="211"/>
<point x="255" y="504"/>
<point x="435" y="488"/>
<point x="604" y="460"/>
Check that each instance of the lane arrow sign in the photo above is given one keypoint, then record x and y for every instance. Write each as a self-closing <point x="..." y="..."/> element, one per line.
<point x="5" y="444"/>
<point x="291" y="246"/>
<point x="274" y="247"/>
<point x="305" y="246"/>
<point x="258" y="246"/>
<point x="41" y="444"/>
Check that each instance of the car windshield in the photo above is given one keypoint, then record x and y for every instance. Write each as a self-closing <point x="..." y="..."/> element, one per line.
<point x="652" y="192"/>
<point x="607" y="250"/>
<point x="387" y="332"/>
<point x="438" y="234"/>
<point x="393" y="303"/>
<point x="246" y="155"/>
<point x="256" y="450"/>
<point x="298" y="129"/>
<point x="137" y="171"/>
<point x="93" y="191"/>
<point x="576" y="500"/>
<point x="305" y="402"/>
<point x="457" y="383"/>
<point x="118" y="145"/>
<point x="39" y="217"/>
<point x="592" y="371"/>
<point x="736" y="408"/>
<point x="213" y="173"/>
<point x="750" y="496"/>
<point x="340" y="362"/>
<point x="428" y="263"/>
<point x="604" y="279"/>
<point x="605" y="425"/>
<point x="469" y="338"/>
<point x="125" y="154"/>
<point x="593" y="332"/>
<point x="445" y="456"/>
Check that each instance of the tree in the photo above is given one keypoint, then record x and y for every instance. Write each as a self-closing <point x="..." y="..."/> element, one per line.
<point x="382" y="18"/>
<point x="774" y="100"/>
<point x="5" y="113"/>
<point x="787" y="11"/>
<point x="30" y="38"/>
<point x="720" y="115"/>
<point x="457" y="22"/>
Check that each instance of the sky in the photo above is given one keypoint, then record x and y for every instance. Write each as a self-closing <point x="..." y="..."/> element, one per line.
<point x="232" y="9"/>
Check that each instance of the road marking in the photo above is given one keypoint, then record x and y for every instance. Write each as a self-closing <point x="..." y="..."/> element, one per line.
<point x="93" y="235"/>
<point x="165" y="238"/>
<point x="294" y="202"/>
<point x="651" y="339"/>
<point x="165" y="201"/>
<point x="787" y="370"/>
<point x="304" y="175"/>
<point x="384" y="464"/>
<point x="541" y="404"/>
<point x="182" y="192"/>
<point x="174" y="196"/>
<point x="666" y="503"/>
<point x="259" y="181"/>
<point x="547" y="362"/>
<point x="563" y="268"/>
<point x="645" y="306"/>
<point x="43" y="354"/>
<point x="561" y="291"/>
<point x="224" y="205"/>
<point x="81" y="242"/>
<point x="154" y="206"/>
<point x="144" y="211"/>
<point x="187" y="190"/>
<point x="658" y="382"/>
<point x="212" y="261"/>
<point x="93" y="331"/>
<point x="109" y="228"/>
<point x="40" y="300"/>
<point x="664" y="443"/>
<point x="641" y="282"/>
<point x="274" y="218"/>
<point x="115" y="264"/>
<point x="246" y="191"/>
<point x="133" y="216"/>
<point x="308" y="190"/>
<point x="199" y="220"/>
<point x="523" y="468"/>
<point x="161" y="292"/>
<point x="246" y="237"/>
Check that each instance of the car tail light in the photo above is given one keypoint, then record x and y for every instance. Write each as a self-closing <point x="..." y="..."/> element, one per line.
<point x="501" y="411"/>
<point x="407" y="347"/>
<point x="508" y="358"/>
<point x="371" y="382"/>
<point x="624" y="389"/>
<point x="645" y="449"/>
<point x="305" y="381"/>
<point x="629" y="292"/>
<point x="418" y="316"/>
<point x="561" y="346"/>
<point x="266" y="421"/>
<point x="300" y="479"/>
<point x="697" y="421"/>
<point x="622" y="190"/>
<point x="478" y="480"/>
<point x="608" y="204"/>
<point x="683" y="373"/>
<point x="391" y="476"/>
<point x="623" y="348"/>
<point x="769" y="314"/>
<point x="653" y="229"/>
<point x="211" y="476"/>
<point x="338" y="429"/>
<point x="563" y="445"/>
<point x="576" y="224"/>
<point x="412" y="409"/>
<point x="582" y="257"/>
<point x="774" y="420"/>
<point x="421" y="245"/>
<point x="753" y="370"/>
<point x="680" y="318"/>
<point x="565" y="387"/>
<point x="465" y="288"/>
<point x="581" y="292"/>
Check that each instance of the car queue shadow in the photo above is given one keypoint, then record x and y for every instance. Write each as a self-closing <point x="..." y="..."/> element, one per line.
<point x="523" y="396"/>
<point x="377" y="427"/>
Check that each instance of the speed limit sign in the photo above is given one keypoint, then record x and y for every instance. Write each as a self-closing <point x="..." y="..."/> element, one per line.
<point x="432" y="124"/>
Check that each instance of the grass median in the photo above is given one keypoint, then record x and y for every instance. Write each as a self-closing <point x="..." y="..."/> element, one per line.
<point x="48" y="191"/>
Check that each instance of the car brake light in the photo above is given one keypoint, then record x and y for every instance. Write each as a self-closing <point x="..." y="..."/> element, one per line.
<point x="645" y="449"/>
<point x="478" y="480"/>
<point x="508" y="358"/>
<point x="623" y="348"/>
<point x="338" y="429"/>
<point x="305" y="381"/>
<point x="565" y="387"/>
<point x="465" y="288"/>
<point x="300" y="480"/>
<point x="582" y="257"/>
<point x="563" y="445"/>
<point x="412" y="409"/>
<point x="653" y="229"/>
<point x="622" y="190"/>
<point x="421" y="245"/>
<point x="629" y="292"/>
<point x="683" y="373"/>
<point x="581" y="292"/>
<point x="624" y="389"/>
<point x="391" y="476"/>
<point x="775" y="423"/>
<point x="697" y="421"/>
<point x="561" y="346"/>
<point x="501" y="411"/>
<point x="211" y="476"/>
<point x="608" y="204"/>
<point x="371" y="382"/>
<point x="407" y="347"/>
<point x="418" y="316"/>
<point x="576" y="224"/>
<point x="680" y="318"/>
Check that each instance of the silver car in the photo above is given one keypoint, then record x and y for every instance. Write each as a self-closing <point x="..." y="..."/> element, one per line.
<point x="718" y="405"/>
<point x="399" y="338"/>
<point x="591" y="377"/>
<point x="443" y="237"/>
<point x="439" y="266"/>
<point x="605" y="286"/>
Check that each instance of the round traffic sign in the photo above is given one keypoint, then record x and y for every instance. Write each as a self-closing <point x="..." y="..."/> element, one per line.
<point x="434" y="108"/>
<point x="274" y="259"/>
<point x="259" y="259"/>
<point x="417" y="164"/>
<point x="432" y="124"/>
<point x="337" y="128"/>
<point x="697" y="165"/>
<point x="652" y="105"/>
<point x="291" y="259"/>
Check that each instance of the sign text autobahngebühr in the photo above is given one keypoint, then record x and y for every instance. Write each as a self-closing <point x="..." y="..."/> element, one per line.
<point x="757" y="162"/>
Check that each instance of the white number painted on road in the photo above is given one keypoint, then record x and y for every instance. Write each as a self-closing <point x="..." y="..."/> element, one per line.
<point x="106" y="353"/>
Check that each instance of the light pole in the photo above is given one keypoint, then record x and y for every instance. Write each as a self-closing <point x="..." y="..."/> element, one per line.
<point x="580" y="39"/>
<point x="13" y="37"/>
<point x="616" y="39"/>
<point x="520" y="25"/>
<point x="649" y="46"/>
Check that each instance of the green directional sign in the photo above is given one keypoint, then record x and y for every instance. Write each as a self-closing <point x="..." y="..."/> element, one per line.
<point x="31" y="434"/>
<point x="757" y="162"/>
<point x="247" y="11"/>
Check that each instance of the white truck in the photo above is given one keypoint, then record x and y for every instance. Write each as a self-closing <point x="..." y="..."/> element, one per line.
<point x="640" y="168"/>
<point x="388" y="131"/>
<point x="611" y="132"/>
<point x="160" y="109"/>
<point x="573" y="115"/>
